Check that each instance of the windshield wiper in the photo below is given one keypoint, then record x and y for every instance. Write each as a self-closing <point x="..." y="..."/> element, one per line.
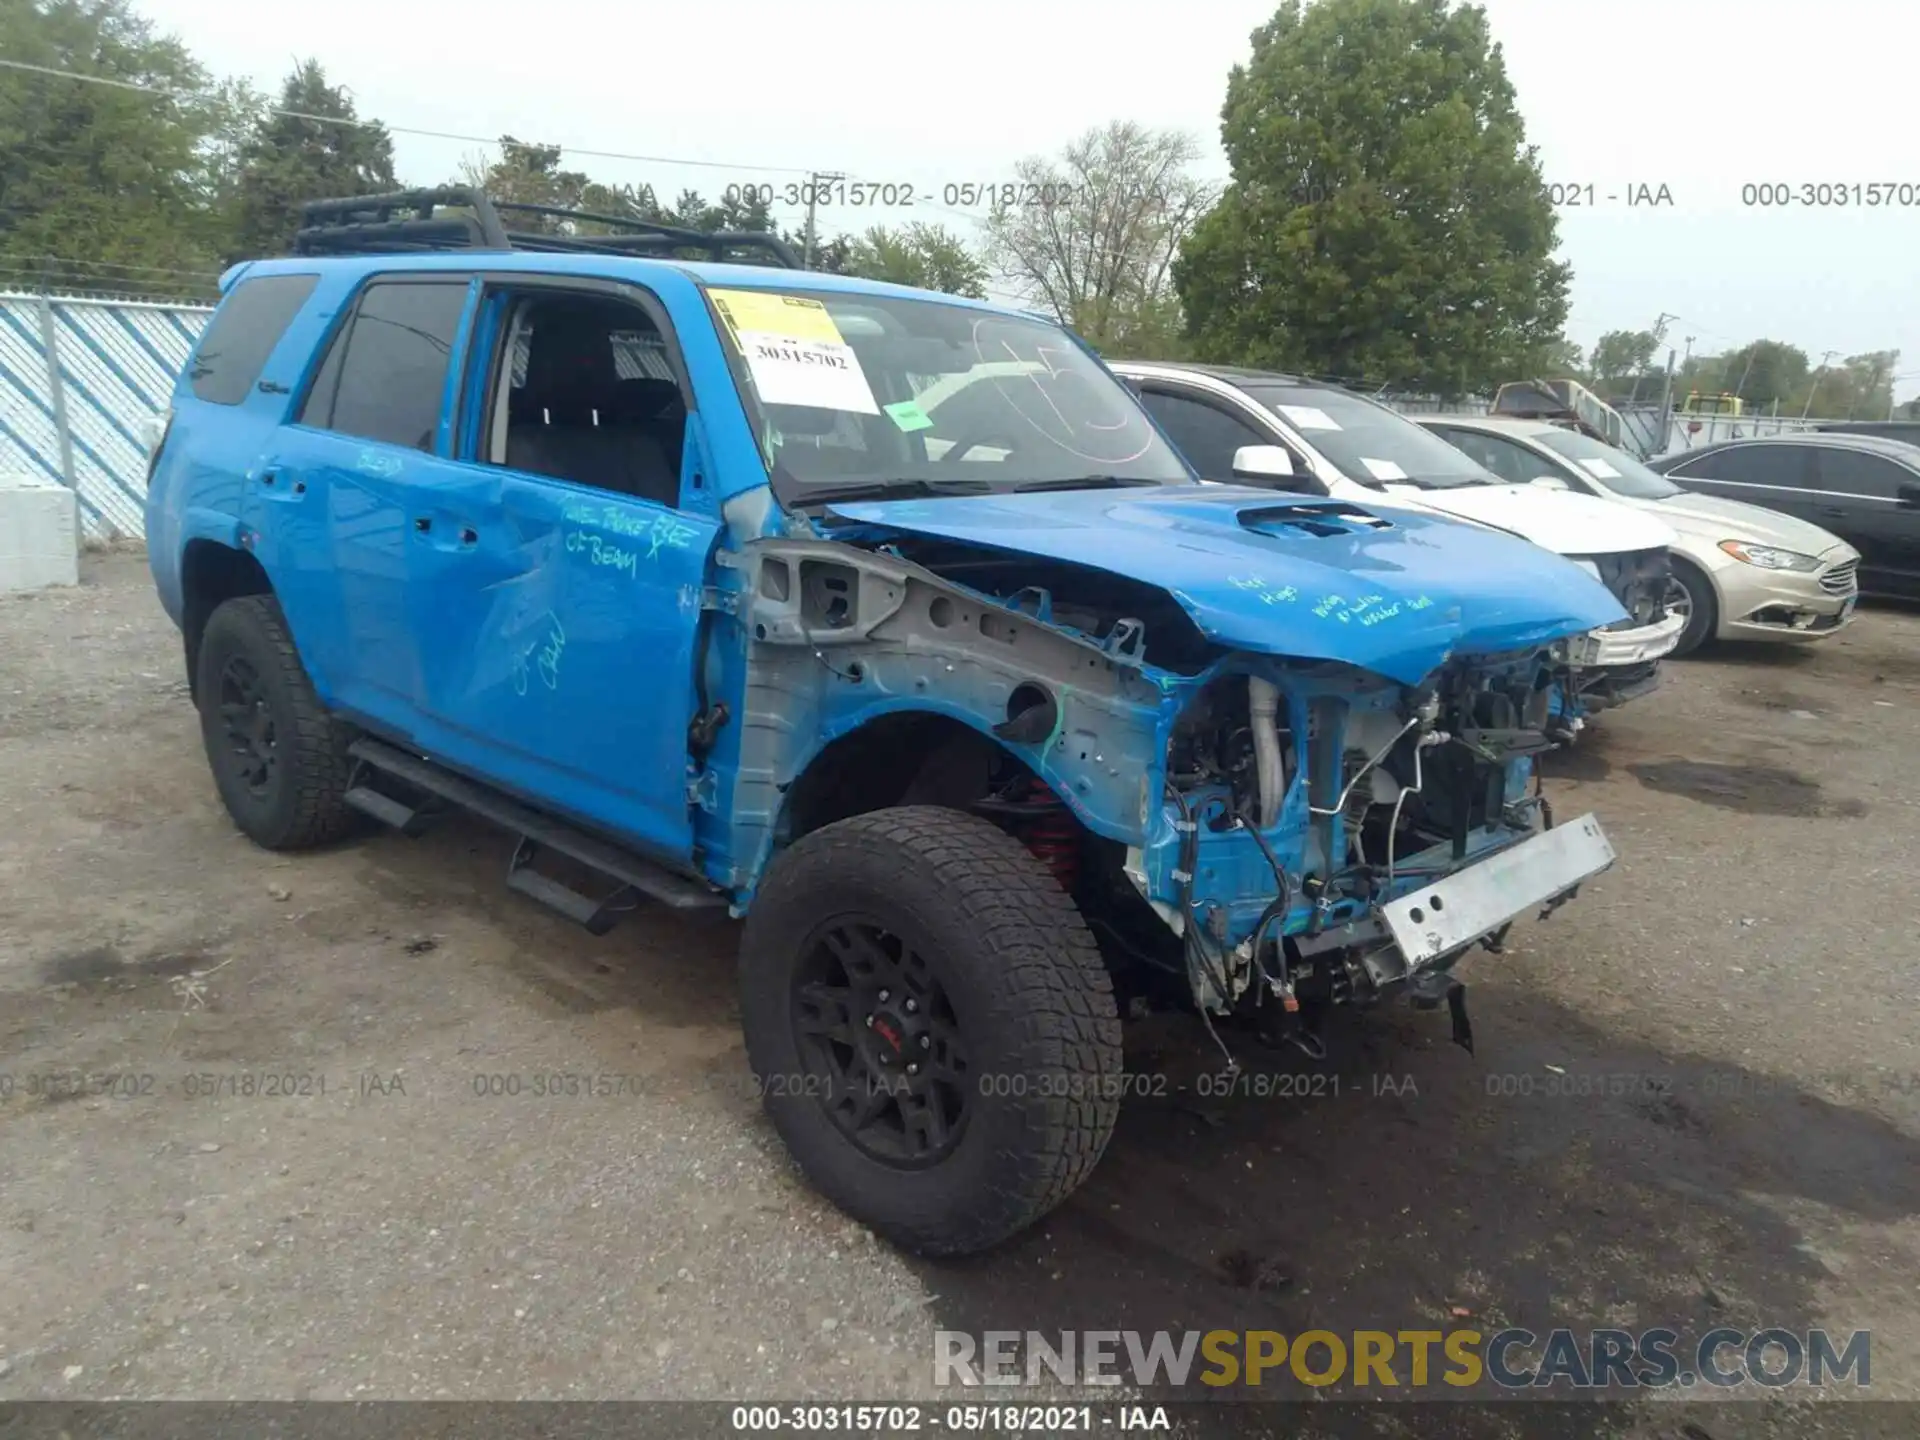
<point x="898" y="489"/>
<point x="1086" y="482"/>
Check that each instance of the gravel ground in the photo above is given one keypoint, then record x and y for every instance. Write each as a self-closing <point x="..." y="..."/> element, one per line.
<point x="1732" y="1007"/>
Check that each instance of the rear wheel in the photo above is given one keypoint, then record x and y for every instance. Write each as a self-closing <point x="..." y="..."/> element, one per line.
<point x="931" y="1025"/>
<point x="278" y="758"/>
<point x="1690" y="593"/>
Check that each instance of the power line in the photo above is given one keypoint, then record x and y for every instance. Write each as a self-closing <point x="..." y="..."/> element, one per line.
<point x="168" y="92"/>
<point x="65" y="263"/>
<point x="171" y="93"/>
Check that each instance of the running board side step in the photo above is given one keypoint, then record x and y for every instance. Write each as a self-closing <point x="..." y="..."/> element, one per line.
<point x="634" y="876"/>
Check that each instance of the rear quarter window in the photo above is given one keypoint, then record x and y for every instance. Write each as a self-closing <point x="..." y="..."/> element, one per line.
<point x="242" y="334"/>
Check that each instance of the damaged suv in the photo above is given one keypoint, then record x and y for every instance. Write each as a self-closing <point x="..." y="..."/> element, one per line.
<point x="886" y="619"/>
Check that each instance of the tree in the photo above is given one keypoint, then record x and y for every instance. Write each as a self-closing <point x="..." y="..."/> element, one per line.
<point x="310" y="145"/>
<point x="529" y="173"/>
<point x="1765" y="371"/>
<point x="1555" y="359"/>
<point x="1386" y="217"/>
<point x="1098" y="245"/>
<point x="930" y="257"/>
<point x="1621" y="356"/>
<point x="1859" y="388"/>
<point x="113" y="182"/>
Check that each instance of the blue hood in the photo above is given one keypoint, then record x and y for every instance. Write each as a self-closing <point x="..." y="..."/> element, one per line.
<point x="1287" y="575"/>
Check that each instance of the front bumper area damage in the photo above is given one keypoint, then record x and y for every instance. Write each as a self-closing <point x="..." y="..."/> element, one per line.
<point x="1247" y="831"/>
<point x="1335" y="838"/>
<point x="1609" y="648"/>
<point x="1619" y="663"/>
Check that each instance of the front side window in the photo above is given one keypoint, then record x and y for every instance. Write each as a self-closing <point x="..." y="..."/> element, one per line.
<point x="586" y="393"/>
<point x="860" y="392"/>
<point x="1366" y="441"/>
<point x="1512" y="462"/>
<point x="1613" y="468"/>
<point x="1207" y="436"/>
<point x="1778" y="467"/>
<point x="242" y="334"/>
<point x="386" y="374"/>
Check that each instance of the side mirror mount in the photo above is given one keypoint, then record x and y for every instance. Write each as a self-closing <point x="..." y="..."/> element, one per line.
<point x="1908" y="495"/>
<point x="1262" y="462"/>
<point x="1550" y="482"/>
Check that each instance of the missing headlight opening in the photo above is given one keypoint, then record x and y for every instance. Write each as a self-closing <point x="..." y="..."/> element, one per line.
<point x="1350" y="791"/>
<point x="1256" y="836"/>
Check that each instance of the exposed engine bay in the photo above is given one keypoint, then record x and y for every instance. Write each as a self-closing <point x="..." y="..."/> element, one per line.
<point x="1346" y="794"/>
<point x="1244" y="833"/>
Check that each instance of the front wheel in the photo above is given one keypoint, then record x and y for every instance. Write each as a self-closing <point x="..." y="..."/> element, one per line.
<point x="1690" y="593"/>
<point x="931" y="1026"/>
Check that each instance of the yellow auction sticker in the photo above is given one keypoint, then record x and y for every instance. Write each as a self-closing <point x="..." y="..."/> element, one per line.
<point x="768" y="313"/>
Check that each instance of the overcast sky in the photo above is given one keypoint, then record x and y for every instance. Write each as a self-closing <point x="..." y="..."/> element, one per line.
<point x="1702" y="96"/>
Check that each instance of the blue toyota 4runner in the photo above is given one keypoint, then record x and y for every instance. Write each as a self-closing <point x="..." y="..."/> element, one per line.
<point x="888" y="620"/>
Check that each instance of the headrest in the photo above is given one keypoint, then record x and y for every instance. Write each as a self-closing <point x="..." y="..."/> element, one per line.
<point x="569" y="357"/>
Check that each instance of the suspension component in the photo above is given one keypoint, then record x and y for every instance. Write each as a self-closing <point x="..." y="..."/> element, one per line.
<point x="1052" y="834"/>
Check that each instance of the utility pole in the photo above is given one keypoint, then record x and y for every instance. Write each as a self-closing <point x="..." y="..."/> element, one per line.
<point x="814" y="182"/>
<point x="1659" y="334"/>
<point x="1814" y="386"/>
<point x="1666" y="407"/>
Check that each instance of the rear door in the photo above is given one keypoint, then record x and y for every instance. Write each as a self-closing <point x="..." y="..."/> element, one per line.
<point x="1873" y="503"/>
<point x="365" y="434"/>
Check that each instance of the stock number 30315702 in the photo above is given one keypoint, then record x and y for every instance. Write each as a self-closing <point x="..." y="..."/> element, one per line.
<point x="904" y="1419"/>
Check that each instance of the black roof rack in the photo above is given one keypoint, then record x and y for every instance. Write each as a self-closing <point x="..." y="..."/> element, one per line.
<point x="462" y="217"/>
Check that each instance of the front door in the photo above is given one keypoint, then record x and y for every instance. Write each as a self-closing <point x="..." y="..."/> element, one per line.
<point x="555" y="584"/>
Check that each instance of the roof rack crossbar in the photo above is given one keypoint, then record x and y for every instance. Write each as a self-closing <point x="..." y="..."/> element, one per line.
<point x="406" y="222"/>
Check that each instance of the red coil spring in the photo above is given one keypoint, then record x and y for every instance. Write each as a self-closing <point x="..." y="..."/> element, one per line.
<point x="1052" y="835"/>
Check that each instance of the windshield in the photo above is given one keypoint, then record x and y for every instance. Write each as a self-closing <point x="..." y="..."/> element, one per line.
<point x="862" y="392"/>
<point x="1368" y="442"/>
<point x="1609" y="468"/>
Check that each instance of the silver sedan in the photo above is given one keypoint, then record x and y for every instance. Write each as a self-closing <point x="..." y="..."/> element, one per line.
<point x="1739" y="572"/>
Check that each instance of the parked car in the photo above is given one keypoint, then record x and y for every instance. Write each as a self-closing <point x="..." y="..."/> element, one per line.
<point x="1863" y="488"/>
<point x="1739" y="572"/>
<point x="1315" y="439"/>
<point x="656" y="564"/>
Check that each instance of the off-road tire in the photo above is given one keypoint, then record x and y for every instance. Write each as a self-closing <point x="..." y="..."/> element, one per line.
<point x="303" y="804"/>
<point x="1027" y="985"/>
<point x="1705" y="616"/>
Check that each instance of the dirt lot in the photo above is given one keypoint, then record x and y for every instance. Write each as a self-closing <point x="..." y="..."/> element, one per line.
<point x="399" y="1226"/>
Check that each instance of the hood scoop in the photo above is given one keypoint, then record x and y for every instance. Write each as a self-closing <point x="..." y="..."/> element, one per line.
<point x="1317" y="518"/>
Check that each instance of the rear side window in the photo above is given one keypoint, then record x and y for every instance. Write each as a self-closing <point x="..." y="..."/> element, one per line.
<point x="242" y="334"/>
<point x="386" y="370"/>
<point x="1854" y="472"/>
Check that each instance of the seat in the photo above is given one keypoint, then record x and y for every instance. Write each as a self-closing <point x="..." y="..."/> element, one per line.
<point x="565" y="422"/>
<point x="653" y="407"/>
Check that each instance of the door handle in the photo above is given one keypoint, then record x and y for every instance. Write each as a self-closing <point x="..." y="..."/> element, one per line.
<point x="1833" y="512"/>
<point x="423" y="523"/>
<point x="468" y="535"/>
<point x="269" y="477"/>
